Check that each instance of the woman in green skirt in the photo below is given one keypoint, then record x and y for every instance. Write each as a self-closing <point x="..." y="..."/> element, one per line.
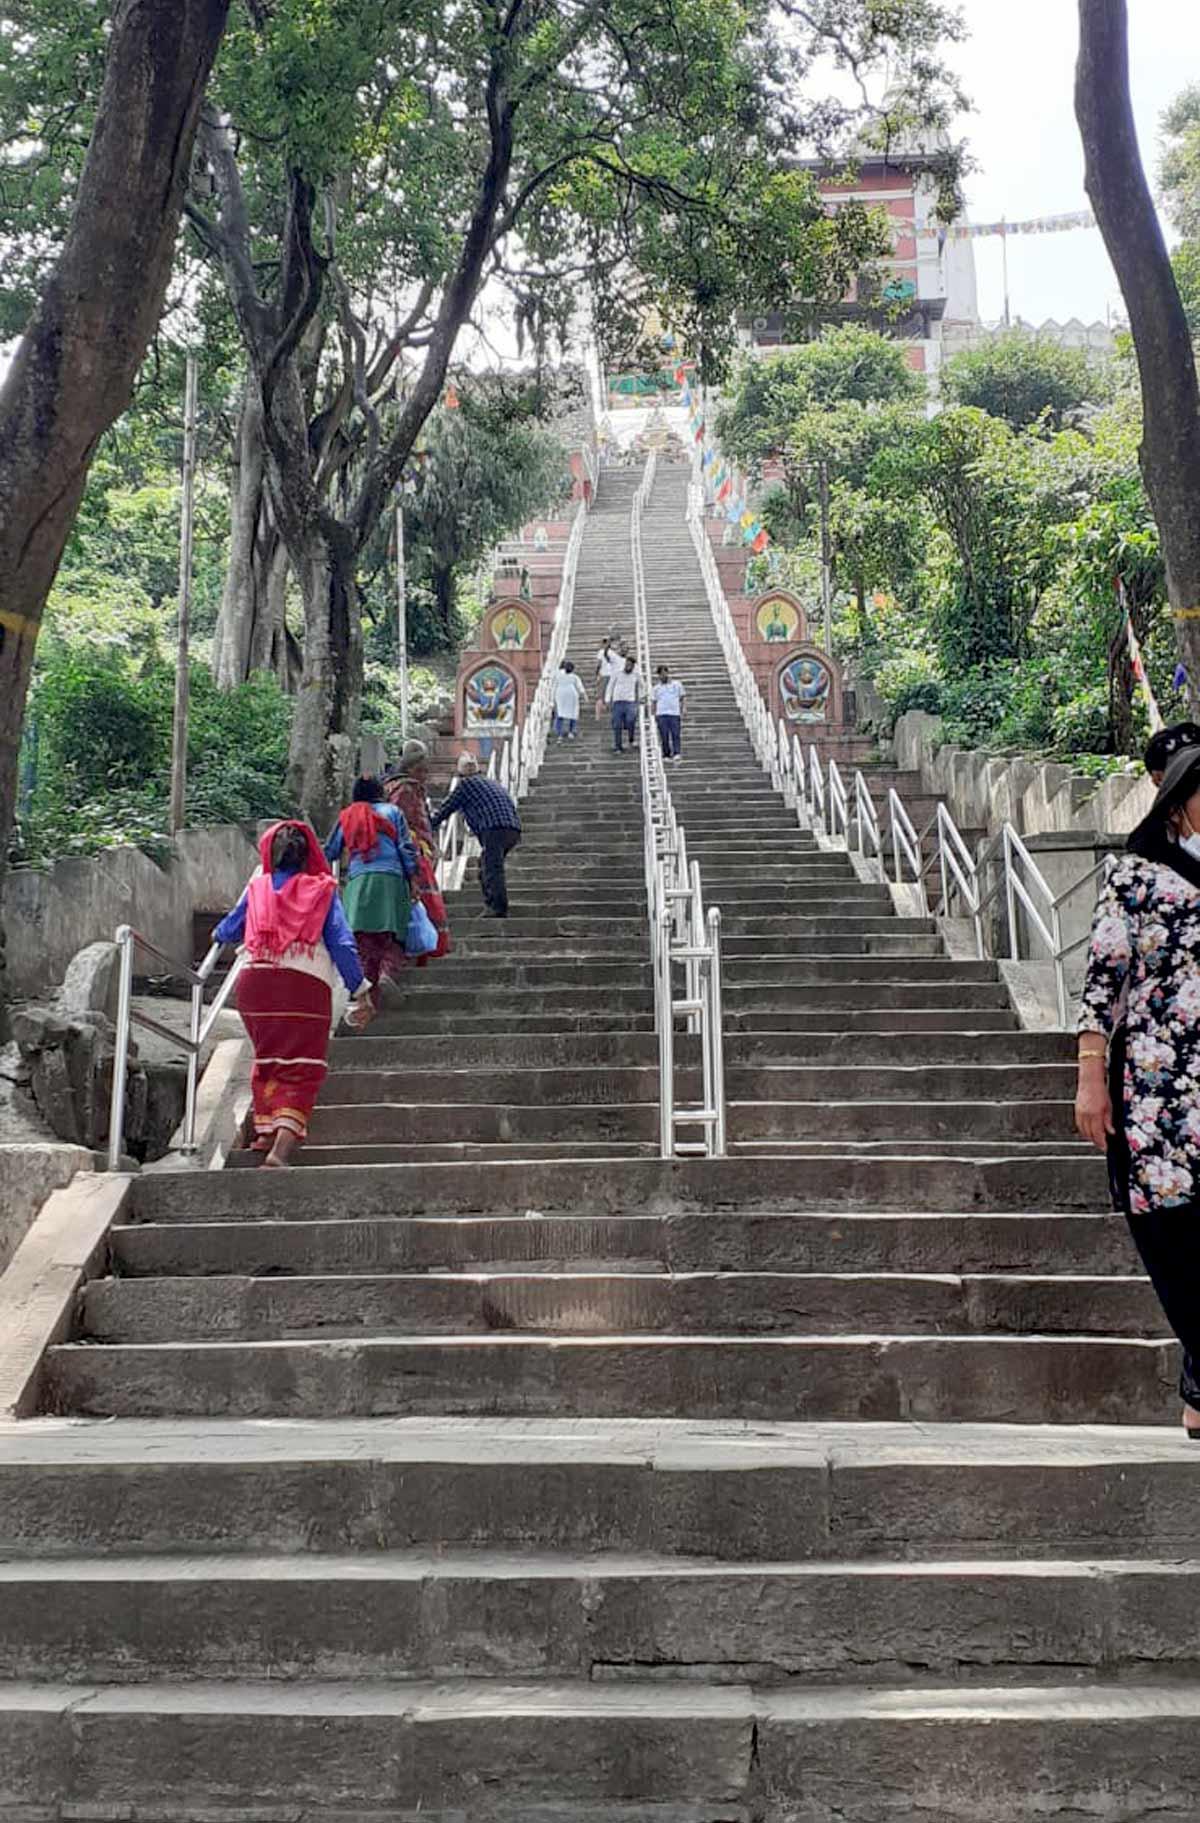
<point x="373" y="838"/>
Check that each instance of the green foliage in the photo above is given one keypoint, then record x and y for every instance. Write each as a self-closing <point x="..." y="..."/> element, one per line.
<point x="981" y="565"/>
<point x="486" y="469"/>
<point x="773" y="398"/>
<point x="97" y="753"/>
<point x="1179" y="168"/>
<point x="909" y="681"/>
<point x="1021" y="378"/>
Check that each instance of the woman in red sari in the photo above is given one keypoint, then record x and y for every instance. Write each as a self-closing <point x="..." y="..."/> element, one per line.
<point x="294" y="937"/>
<point x="406" y="787"/>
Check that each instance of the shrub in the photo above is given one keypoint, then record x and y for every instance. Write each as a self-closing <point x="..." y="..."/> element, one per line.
<point x="909" y="682"/>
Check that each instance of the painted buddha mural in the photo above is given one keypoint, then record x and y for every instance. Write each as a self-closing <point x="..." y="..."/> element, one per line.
<point x="804" y="687"/>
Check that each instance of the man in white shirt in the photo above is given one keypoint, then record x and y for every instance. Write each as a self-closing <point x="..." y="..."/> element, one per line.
<point x="569" y="696"/>
<point x="608" y="663"/>
<point x="668" y="700"/>
<point x="623" y="695"/>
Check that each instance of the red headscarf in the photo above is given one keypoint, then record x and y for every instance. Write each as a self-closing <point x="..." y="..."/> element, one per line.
<point x="278" y="923"/>
<point x="362" y="826"/>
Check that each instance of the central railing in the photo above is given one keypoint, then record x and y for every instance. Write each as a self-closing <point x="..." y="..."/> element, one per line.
<point x="681" y="934"/>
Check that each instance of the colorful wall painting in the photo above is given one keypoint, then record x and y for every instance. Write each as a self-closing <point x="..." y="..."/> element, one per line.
<point x="490" y="701"/>
<point x="512" y="630"/>
<point x="777" y="621"/>
<point x="804" y="687"/>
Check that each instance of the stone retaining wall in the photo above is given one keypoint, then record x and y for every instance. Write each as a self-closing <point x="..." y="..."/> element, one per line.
<point x="50" y="915"/>
<point x="1039" y="797"/>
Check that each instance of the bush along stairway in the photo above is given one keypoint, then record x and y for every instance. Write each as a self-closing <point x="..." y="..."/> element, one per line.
<point x="490" y="1468"/>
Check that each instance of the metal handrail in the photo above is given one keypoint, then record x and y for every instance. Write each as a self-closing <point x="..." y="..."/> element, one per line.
<point x="866" y="820"/>
<point x="681" y="932"/>
<point x="906" y="846"/>
<point x="839" y="807"/>
<point x="753" y="710"/>
<point x="128" y="941"/>
<point x="955" y="862"/>
<point x="816" y="790"/>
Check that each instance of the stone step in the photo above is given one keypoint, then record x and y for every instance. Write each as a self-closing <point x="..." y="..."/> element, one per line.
<point x="757" y="939"/>
<point x="556" y="1085"/>
<point x="500" y="994"/>
<point x="654" y="1187"/>
<point x="764" y="1021"/>
<point x="942" y="1378"/>
<point x="741" y="971"/>
<point x="599" y="1146"/>
<point x="781" y="1492"/>
<point x="502" y="1049"/>
<point x="417" y="1022"/>
<point x="210" y="1308"/>
<point x="520" y="1123"/>
<point x="801" y="996"/>
<point x="659" y="1752"/>
<point x="1021" y="1246"/>
<point x="614" y="1620"/>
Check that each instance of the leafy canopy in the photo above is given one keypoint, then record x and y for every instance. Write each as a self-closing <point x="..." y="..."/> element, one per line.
<point x="1021" y="378"/>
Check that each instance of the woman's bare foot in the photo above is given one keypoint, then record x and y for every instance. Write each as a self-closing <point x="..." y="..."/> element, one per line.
<point x="283" y="1151"/>
<point x="1191" y="1421"/>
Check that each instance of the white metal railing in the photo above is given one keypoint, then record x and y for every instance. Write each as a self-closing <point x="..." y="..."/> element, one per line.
<point x="939" y="852"/>
<point x="1024" y="884"/>
<point x="199" y="1029"/>
<point x="906" y="847"/>
<point x="839" y="805"/>
<point x="816" y="791"/>
<point x="818" y="795"/>
<point x="866" y="822"/>
<point x="681" y="933"/>
<point x="753" y="710"/>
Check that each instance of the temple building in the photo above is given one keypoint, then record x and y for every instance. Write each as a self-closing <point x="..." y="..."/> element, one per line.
<point x="925" y="293"/>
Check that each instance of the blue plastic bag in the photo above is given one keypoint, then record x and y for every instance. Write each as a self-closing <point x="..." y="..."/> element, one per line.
<point x="422" y="938"/>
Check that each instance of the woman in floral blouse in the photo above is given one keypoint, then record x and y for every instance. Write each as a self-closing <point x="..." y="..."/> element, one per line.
<point x="1139" y="1098"/>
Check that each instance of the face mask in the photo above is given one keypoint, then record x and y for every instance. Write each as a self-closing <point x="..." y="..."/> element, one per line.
<point x="1190" y="843"/>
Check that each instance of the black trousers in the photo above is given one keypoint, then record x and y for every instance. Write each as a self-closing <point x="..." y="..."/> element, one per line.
<point x="496" y="845"/>
<point x="1168" y="1240"/>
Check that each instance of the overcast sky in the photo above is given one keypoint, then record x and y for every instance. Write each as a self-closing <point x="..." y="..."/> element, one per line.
<point x="1018" y="69"/>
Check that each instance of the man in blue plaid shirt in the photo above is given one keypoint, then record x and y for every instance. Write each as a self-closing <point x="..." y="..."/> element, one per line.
<point x="492" y="818"/>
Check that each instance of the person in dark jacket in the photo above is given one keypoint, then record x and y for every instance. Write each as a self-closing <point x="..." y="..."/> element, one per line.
<point x="492" y="818"/>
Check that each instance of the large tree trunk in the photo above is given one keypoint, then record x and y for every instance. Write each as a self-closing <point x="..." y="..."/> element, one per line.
<point x="444" y="596"/>
<point x="325" y="725"/>
<point x="251" y="633"/>
<point x="1120" y="196"/>
<point x="73" y="372"/>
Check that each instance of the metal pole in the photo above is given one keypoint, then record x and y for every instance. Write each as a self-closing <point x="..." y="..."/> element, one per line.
<point x="1014" y="947"/>
<point x="1060" y="967"/>
<point x="717" y="1025"/>
<point x="1004" y="264"/>
<point x="401" y="620"/>
<point x="666" y="1040"/>
<point x="826" y="555"/>
<point x="193" y="1069"/>
<point x="179" y="736"/>
<point x="116" y="1113"/>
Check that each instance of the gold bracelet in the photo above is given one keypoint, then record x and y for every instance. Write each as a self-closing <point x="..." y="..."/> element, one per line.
<point x="1102" y="1052"/>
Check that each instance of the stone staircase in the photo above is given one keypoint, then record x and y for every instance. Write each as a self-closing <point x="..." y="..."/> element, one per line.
<point x="491" y="1469"/>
